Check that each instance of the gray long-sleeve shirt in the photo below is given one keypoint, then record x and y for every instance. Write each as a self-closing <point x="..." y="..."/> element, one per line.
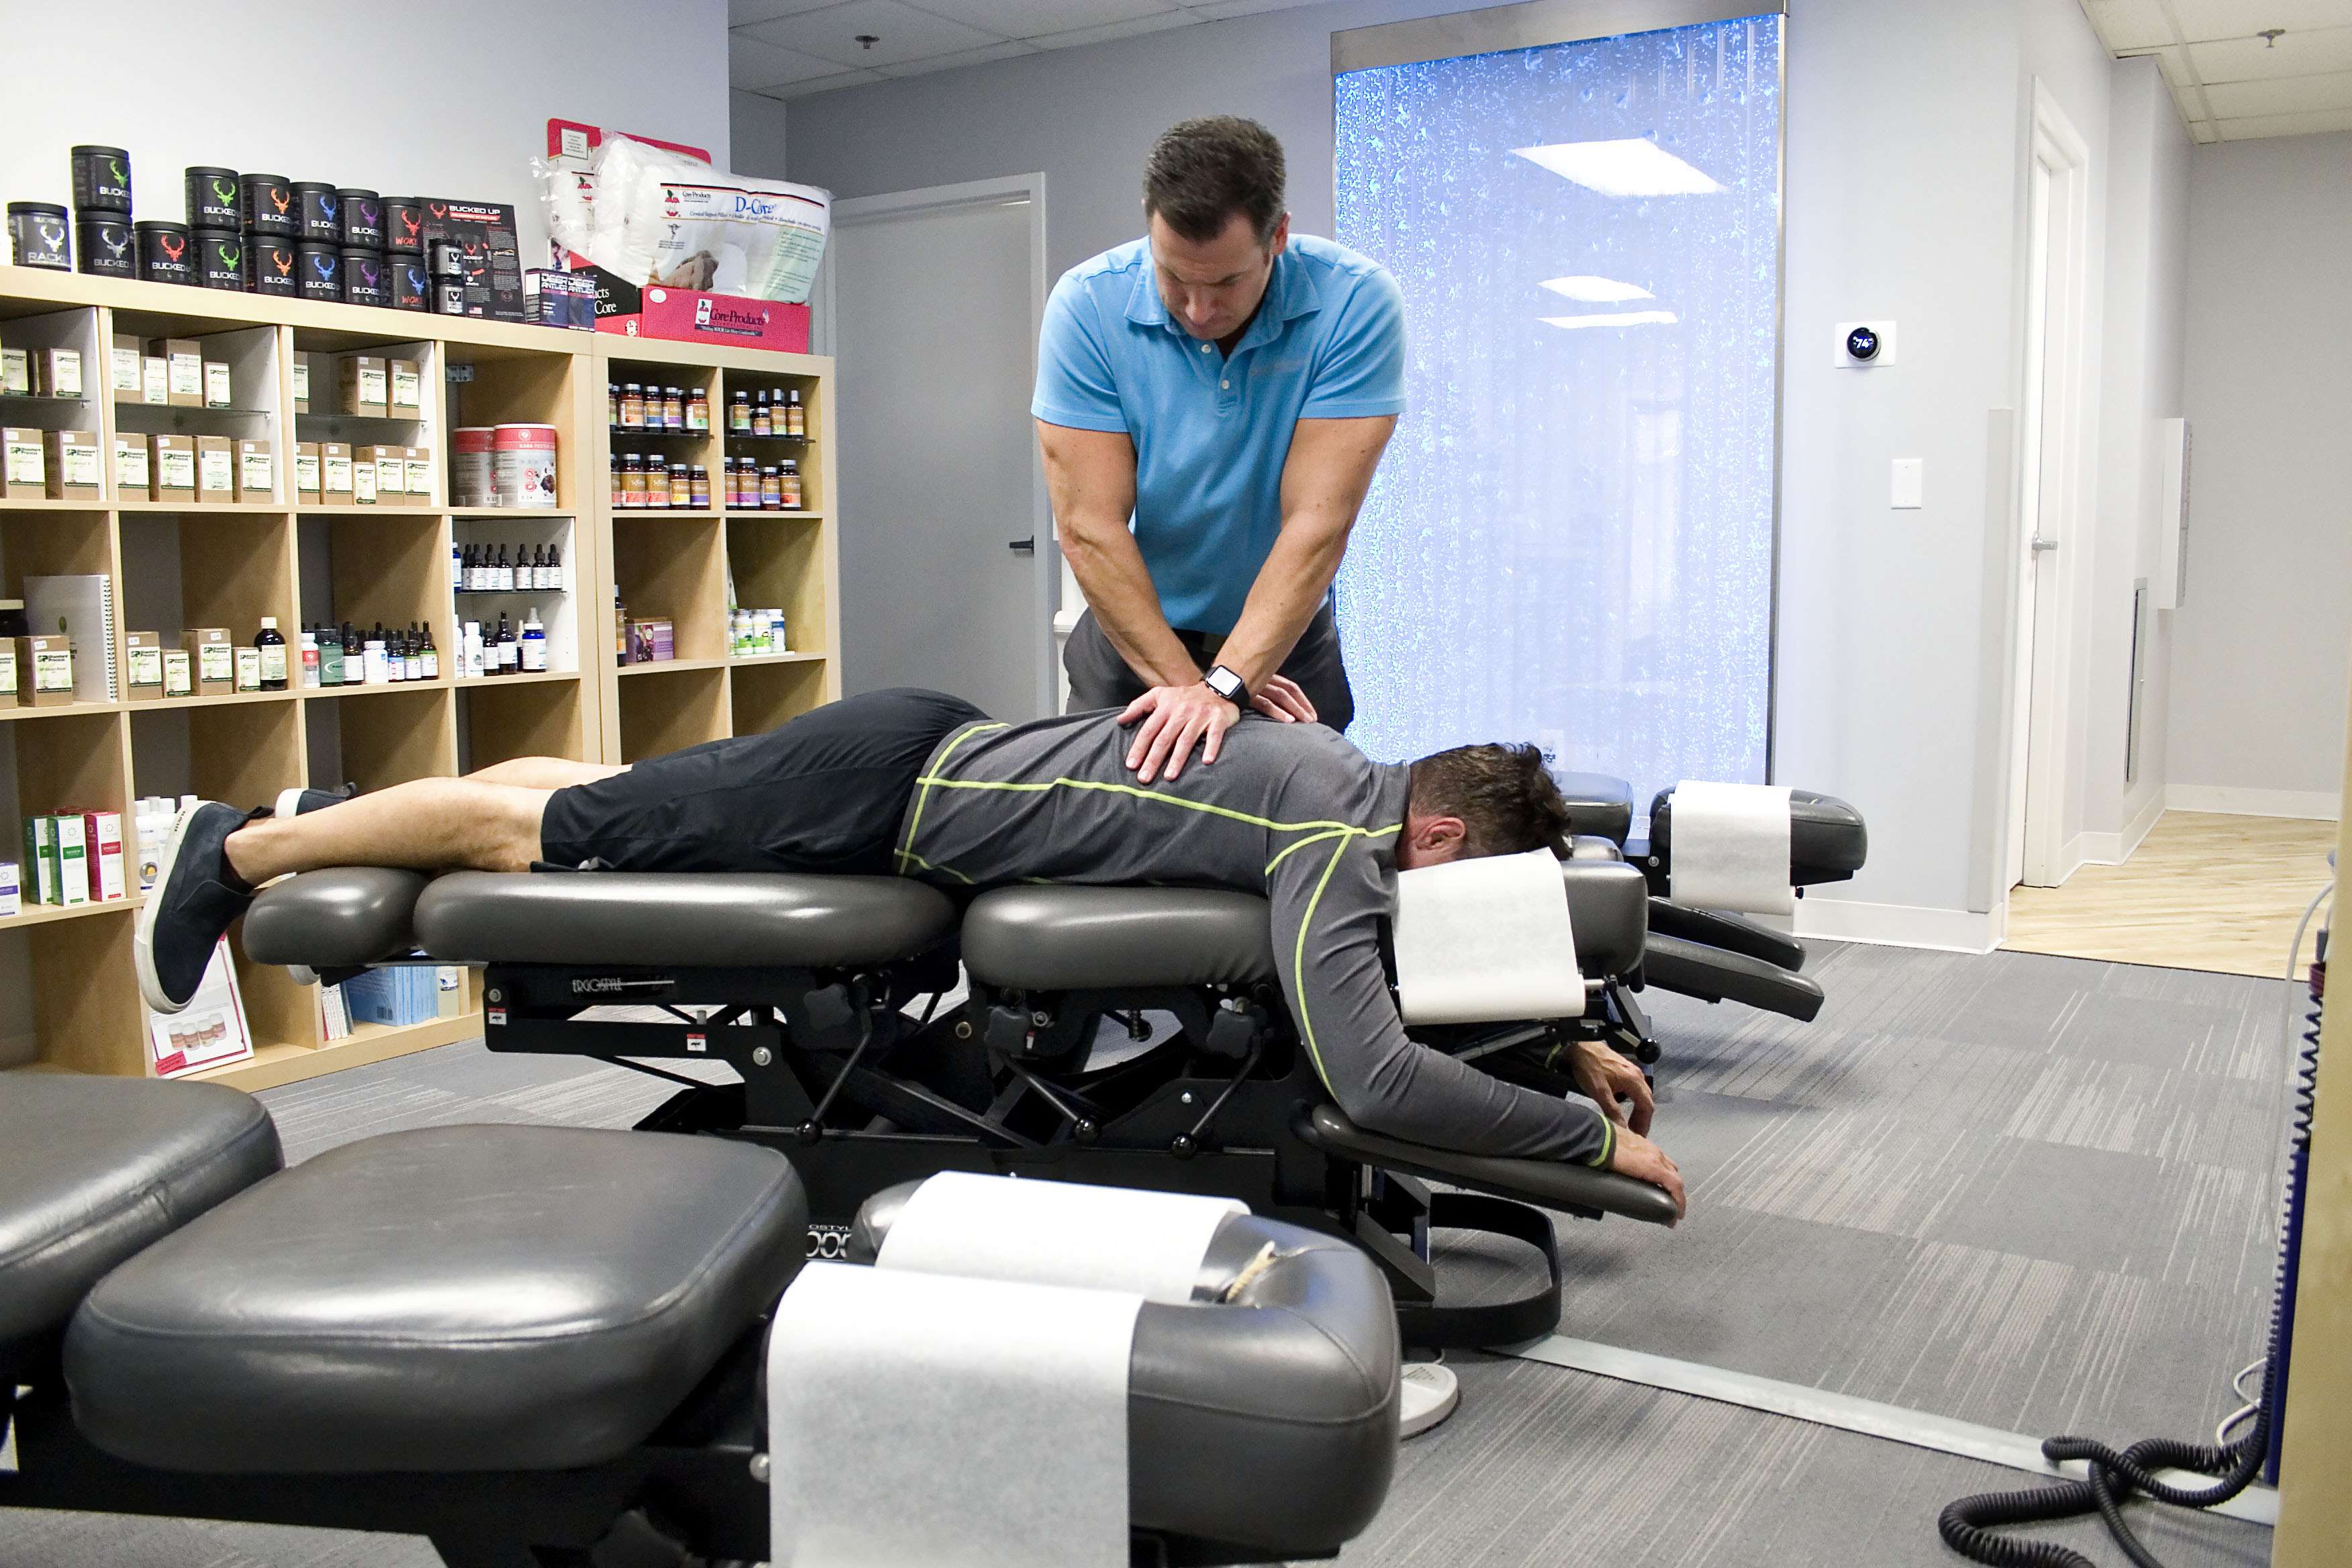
<point x="1292" y="812"/>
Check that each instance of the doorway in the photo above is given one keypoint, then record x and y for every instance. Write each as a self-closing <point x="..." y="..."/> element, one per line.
<point x="2057" y="205"/>
<point x="931" y="301"/>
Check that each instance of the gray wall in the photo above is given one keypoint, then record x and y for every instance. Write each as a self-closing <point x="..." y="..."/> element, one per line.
<point x="2264" y="635"/>
<point x="755" y="133"/>
<point x="1903" y="201"/>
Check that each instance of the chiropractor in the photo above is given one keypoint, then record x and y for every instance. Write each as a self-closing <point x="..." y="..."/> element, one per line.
<point x="1212" y="401"/>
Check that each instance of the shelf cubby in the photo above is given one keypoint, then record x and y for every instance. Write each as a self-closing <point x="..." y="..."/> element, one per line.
<point x="521" y="716"/>
<point x="766" y="692"/>
<point x="395" y="733"/>
<point x="669" y="707"/>
<point x="390" y="567"/>
<point x="674" y="568"/>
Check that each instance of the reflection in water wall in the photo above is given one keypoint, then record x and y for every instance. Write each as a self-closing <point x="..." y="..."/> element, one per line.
<point x="1571" y="538"/>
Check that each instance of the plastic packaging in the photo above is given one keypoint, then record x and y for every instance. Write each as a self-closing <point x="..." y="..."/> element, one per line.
<point x="650" y="216"/>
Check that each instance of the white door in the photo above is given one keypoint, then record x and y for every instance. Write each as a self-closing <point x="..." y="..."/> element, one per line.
<point x="2029" y="512"/>
<point x="931" y="305"/>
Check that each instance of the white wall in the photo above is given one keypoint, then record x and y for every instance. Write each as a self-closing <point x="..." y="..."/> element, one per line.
<point x="2261" y="638"/>
<point x="756" y="134"/>
<point x="444" y="97"/>
<point x="1902" y="200"/>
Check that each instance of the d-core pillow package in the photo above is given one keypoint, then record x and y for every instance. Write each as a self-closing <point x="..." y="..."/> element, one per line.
<point x="651" y="216"/>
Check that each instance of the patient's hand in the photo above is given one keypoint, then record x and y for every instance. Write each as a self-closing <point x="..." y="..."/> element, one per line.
<point x="1637" y="1157"/>
<point x="1603" y="1075"/>
<point x="1175" y="719"/>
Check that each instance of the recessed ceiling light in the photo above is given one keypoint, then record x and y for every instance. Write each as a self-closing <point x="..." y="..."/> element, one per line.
<point x="1597" y="291"/>
<point x="1613" y="319"/>
<point x="1632" y="167"/>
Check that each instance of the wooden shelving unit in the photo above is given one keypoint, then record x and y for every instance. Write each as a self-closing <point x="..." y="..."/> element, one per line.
<point x="175" y="565"/>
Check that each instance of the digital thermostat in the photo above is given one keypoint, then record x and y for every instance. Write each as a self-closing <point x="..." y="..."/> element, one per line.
<point x="1861" y="345"/>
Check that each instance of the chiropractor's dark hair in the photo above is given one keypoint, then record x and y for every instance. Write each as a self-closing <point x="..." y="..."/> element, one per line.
<point x="1503" y="793"/>
<point x="1202" y="172"/>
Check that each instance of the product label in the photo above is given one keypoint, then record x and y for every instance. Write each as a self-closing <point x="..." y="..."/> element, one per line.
<point x="175" y="468"/>
<point x="53" y="671"/>
<point x="408" y="386"/>
<point x="217" y="389"/>
<point x="534" y="653"/>
<point x="125" y="374"/>
<point x="15" y="374"/>
<point x="306" y="472"/>
<point x="129" y="465"/>
<point x="372" y="387"/>
<point x="155" y="381"/>
<point x="146" y="667"/>
<point x="255" y="478"/>
<point x="391" y="476"/>
<point x="178" y="676"/>
<point x="273" y="663"/>
<point x="301" y="380"/>
<point x="77" y="466"/>
<point x="419" y="476"/>
<point x="214" y="470"/>
<point x="188" y="373"/>
<point x="8" y="670"/>
<point x="23" y="462"/>
<point x="364" y="483"/>
<point x="65" y="372"/>
<point x="249" y="669"/>
<point x="339" y="476"/>
<point x="214" y="662"/>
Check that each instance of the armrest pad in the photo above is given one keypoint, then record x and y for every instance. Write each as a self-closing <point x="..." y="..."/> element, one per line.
<point x="344" y="918"/>
<point x="1714" y="975"/>
<point x="1545" y="1183"/>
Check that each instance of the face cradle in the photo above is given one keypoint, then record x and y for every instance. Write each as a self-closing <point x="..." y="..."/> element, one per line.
<point x="1213" y="287"/>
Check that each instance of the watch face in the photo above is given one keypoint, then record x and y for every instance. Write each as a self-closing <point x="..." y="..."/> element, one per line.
<point x="1225" y="683"/>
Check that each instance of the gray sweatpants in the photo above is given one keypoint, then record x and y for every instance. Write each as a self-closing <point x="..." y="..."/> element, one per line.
<point x="1099" y="678"/>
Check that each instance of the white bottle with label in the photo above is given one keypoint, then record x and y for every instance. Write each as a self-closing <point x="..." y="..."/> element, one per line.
<point x="534" y="641"/>
<point x="471" y="656"/>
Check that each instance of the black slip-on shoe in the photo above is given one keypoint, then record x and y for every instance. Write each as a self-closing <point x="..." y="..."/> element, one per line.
<point x="295" y="800"/>
<point x="195" y="900"/>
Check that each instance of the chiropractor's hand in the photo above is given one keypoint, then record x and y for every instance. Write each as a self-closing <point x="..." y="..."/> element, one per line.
<point x="1282" y="698"/>
<point x="1603" y="1075"/>
<point x="1637" y="1157"/>
<point x="1175" y="719"/>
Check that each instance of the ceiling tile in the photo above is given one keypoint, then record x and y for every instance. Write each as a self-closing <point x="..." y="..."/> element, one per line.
<point x="1031" y="18"/>
<point x="2174" y="62"/>
<point x="2131" y="23"/>
<point x="900" y="32"/>
<point x="1222" y="10"/>
<point x="824" y="84"/>
<point x="2285" y="95"/>
<point x="2201" y="20"/>
<point x="752" y="65"/>
<point x="979" y="57"/>
<point x="2298" y="54"/>
<point x="2201" y="130"/>
<point x="1158" y="21"/>
<point x="2247" y="128"/>
<point x="743" y="12"/>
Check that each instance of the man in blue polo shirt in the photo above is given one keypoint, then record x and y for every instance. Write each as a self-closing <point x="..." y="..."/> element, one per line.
<point x="1212" y="401"/>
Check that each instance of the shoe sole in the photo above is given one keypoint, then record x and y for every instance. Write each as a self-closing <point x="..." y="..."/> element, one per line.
<point x="142" y="942"/>
<point x="290" y="802"/>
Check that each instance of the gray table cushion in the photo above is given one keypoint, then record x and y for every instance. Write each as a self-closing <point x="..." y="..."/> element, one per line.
<point x="1074" y="938"/>
<point x="342" y="919"/>
<point x="450" y="1298"/>
<point x="1827" y="837"/>
<point x="92" y="1171"/>
<point x="707" y="919"/>
<point x="1597" y="804"/>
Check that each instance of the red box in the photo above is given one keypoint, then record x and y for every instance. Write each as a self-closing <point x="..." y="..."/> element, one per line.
<point x="681" y="315"/>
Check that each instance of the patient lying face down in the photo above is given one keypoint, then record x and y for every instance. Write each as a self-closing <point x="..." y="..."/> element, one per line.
<point x="921" y="785"/>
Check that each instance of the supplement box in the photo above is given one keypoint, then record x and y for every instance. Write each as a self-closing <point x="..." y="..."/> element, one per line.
<point x="126" y="373"/>
<point x="215" y="469"/>
<point x="131" y="467"/>
<point x="40" y="872"/>
<point x="257" y="474"/>
<point x="184" y="370"/>
<point x="489" y="259"/>
<point x="15" y="374"/>
<point x="405" y="380"/>
<point x="171" y="465"/>
<point x="363" y="387"/>
<point x="154" y="379"/>
<point x="144" y="658"/>
<point x="101" y="837"/>
<point x="249" y="669"/>
<point x="72" y="462"/>
<point x="56" y="372"/>
<point x="213" y="658"/>
<point x="23" y="474"/>
<point x="11" y="894"/>
<point x="46" y="678"/>
<point x="335" y="472"/>
<point x="301" y="384"/>
<point x="651" y="641"/>
<point x="217" y="391"/>
<point x="56" y="859"/>
<point x="306" y="470"/>
<point x="556" y="298"/>
<point x="8" y="673"/>
<point x="418" y="461"/>
<point x="683" y="315"/>
<point x="178" y="673"/>
<point x="391" y="466"/>
<point x="363" y="477"/>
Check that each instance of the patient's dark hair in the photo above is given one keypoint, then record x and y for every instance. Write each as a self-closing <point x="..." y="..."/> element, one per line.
<point x="1202" y="172"/>
<point x="1503" y="793"/>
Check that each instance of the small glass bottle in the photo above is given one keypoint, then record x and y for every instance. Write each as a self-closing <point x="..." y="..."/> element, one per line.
<point x="771" y="490"/>
<point x="700" y="486"/>
<point x="697" y="409"/>
<point x="632" y="481"/>
<point x="681" y="486"/>
<point x="612" y="401"/>
<point x="271" y="643"/>
<point x="739" y="413"/>
<point x="796" y="417"/>
<point x="763" y="421"/>
<point x="673" y="408"/>
<point x="618" y="500"/>
<point x="633" y="406"/>
<point x="788" y="486"/>
<point x="430" y="655"/>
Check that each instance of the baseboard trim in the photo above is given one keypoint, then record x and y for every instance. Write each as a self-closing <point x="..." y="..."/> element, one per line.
<point x="2137" y="830"/>
<point x="19" y="1050"/>
<point x="2312" y="805"/>
<point x="1901" y="925"/>
<point x="2097" y="849"/>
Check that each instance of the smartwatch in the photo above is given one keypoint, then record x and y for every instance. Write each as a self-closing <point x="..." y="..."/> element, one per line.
<point x="1227" y="685"/>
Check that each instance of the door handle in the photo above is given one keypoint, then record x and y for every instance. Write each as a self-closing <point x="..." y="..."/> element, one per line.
<point x="2041" y="544"/>
<point x="1024" y="547"/>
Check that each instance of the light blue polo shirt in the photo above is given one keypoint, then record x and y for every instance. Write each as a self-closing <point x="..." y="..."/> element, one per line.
<point x="1212" y="432"/>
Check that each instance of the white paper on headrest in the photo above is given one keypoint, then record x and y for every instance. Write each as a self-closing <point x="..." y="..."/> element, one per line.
<point x="916" y="1418"/>
<point x="1487" y="939"/>
<point x="1731" y="847"/>
<point x="1057" y="1233"/>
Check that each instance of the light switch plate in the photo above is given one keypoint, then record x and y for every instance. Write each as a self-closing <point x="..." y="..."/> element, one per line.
<point x="1910" y="483"/>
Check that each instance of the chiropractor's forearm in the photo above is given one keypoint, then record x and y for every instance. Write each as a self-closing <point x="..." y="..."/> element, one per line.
<point x="1289" y="589"/>
<point x="1110" y="572"/>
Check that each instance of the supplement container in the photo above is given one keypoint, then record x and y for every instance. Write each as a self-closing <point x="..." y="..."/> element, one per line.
<point x="213" y="199"/>
<point x="319" y="271"/>
<point x="220" y="257"/>
<point x="411" y="288"/>
<point x="363" y="280"/>
<point x="633" y="480"/>
<point x="673" y="409"/>
<point x="163" y="253"/>
<point x="320" y="212"/>
<point x="698" y="410"/>
<point x="469" y="446"/>
<point x="266" y="206"/>
<point x="363" y="214"/>
<point x="404" y="225"/>
<point x="105" y="246"/>
<point x="633" y="406"/>
<point x="270" y="265"/>
<point x="102" y="180"/>
<point x="38" y="235"/>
